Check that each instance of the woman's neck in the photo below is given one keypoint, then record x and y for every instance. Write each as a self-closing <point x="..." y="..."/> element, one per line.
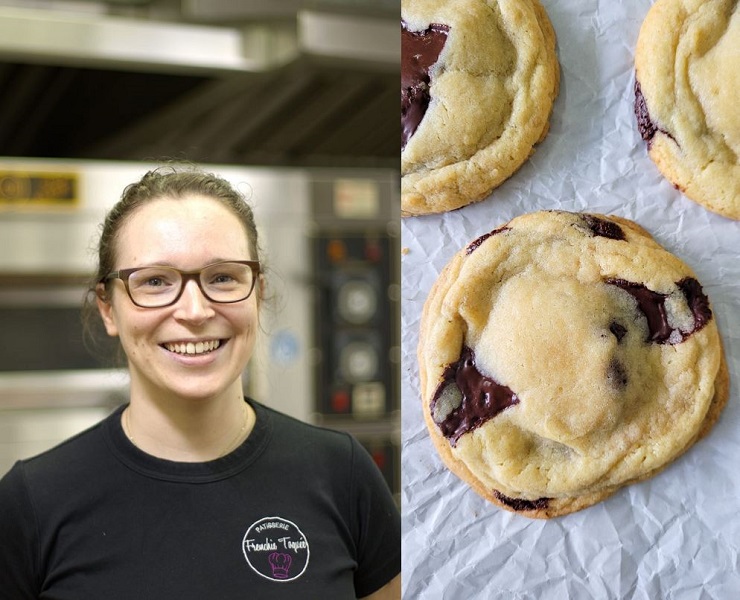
<point x="188" y="429"/>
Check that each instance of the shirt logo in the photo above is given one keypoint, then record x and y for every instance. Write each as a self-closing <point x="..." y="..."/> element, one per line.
<point x="276" y="549"/>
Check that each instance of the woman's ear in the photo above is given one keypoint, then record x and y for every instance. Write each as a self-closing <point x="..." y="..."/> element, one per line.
<point x="105" y="307"/>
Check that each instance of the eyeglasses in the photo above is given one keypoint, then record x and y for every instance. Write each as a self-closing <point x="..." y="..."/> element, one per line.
<point x="155" y="287"/>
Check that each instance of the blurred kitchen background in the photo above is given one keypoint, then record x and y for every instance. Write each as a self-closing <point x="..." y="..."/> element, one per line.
<point x="293" y="101"/>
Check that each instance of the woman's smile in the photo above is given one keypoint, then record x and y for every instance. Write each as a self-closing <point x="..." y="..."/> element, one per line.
<point x="195" y="347"/>
<point x="195" y="353"/>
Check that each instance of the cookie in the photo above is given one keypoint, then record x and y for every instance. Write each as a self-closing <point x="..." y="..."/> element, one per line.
<point x="687" y="85"/>
<point x="478" y="80"/>
<point x="563" y="356"/>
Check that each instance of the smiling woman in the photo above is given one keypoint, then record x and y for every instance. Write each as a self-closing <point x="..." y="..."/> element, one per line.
<point x="165" y="237"/>
<point x="191" y="490"/>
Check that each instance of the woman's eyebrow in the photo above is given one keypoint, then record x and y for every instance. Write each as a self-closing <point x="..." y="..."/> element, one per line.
<point x="166" y="263"/>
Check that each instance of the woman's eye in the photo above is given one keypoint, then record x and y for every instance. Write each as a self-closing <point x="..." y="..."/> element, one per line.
<point x="154" y="282"/>
<point x="222" y="278"/>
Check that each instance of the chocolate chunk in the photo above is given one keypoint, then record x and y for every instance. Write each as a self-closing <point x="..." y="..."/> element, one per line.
<point x="419" y="51"/>
<point x="473" y="246"/>
<point x="617" y="374"/>
<point x="518" y="504"/>
<point x="645" y="125"/>
<point x="618" y="330"/>
<point x="652" y="305"/>
<point x="482" y="398"/>
<point x="697" y="301"/>
<point x="604" y="228"/>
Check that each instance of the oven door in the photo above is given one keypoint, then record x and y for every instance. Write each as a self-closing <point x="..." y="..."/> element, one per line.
<point x="53" y="382"/>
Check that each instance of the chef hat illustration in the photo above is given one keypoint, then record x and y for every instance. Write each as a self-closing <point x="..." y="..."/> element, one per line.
<point x="280" y="564"/>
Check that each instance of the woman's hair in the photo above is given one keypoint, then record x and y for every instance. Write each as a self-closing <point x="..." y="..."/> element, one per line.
<point x="172" y="182"/>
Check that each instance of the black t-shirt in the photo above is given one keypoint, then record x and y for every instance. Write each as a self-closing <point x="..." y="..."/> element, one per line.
<point x="296" y="511"/>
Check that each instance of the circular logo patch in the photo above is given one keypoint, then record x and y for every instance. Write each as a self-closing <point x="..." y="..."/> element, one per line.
<point x="276" y="549"/>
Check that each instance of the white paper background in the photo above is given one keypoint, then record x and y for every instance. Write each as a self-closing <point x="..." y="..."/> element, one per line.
<point x="675" y="536"/>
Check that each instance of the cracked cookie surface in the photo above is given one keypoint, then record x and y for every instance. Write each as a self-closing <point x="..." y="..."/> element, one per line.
<point x="479" y="78"/>
<point x="564" y="355"/>
<point x="687" y="71"/>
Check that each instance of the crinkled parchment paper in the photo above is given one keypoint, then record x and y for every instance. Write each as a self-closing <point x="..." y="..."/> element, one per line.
<point x="675" y="536"/>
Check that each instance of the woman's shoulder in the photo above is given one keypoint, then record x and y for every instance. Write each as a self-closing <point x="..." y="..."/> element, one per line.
<point x="321" y="453"/>
<point x="309" y="440"/>
<point x="284" y="425"/>
<point x="76" y="454"/>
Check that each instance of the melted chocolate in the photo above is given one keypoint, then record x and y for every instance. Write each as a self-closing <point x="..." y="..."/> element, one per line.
<point x="645" y="125"/>
<point x="619" y="331"/>
<point x="473" y="246"/>
<point x="652" y="305"/>
<point x="697" y="301"/>
<point x="518" y="504"/>
<point x="419" y="51"/>
<point x="482" y="397"/>
<point x="603" y="228"/>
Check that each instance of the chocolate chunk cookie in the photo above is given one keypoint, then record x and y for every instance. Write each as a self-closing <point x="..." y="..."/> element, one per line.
<point x="478" y="80"/>
<point x="687" y="69"/>
<point x="563" y="356"/>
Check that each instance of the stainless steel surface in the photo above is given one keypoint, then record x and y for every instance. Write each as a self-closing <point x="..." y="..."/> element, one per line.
<point x="29" y="431"/>
<point x="283" y="86"/>
<point x="46" y="256"/>
<point x="63" y="389"/>
<point x="312" y="87"/>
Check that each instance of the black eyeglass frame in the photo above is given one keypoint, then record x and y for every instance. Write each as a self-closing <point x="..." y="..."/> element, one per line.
<point x="185" y="276"/>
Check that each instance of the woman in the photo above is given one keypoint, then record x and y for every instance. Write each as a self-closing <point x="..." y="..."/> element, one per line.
<point x="191" y="491"/>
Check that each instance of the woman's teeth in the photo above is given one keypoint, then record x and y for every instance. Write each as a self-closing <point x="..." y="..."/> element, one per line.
<point x="193" y="347"/>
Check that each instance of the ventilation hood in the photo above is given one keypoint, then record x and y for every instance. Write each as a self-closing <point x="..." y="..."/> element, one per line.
<point x="223" y="81"/>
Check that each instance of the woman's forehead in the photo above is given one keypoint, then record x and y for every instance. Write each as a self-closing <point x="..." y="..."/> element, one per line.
<point x="194" y="228"/>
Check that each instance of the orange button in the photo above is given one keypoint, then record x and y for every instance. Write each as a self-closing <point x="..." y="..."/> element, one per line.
<point x="336" y="251"/>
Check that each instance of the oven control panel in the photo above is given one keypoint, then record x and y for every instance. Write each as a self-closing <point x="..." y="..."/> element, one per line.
<point x="354" y="326"/>
<point x="356" y="270"/>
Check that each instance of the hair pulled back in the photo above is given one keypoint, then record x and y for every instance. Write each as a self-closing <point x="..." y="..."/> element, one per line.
<point x="172" y="182"/>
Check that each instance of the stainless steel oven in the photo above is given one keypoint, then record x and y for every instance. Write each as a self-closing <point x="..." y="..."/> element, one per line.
<point x="330" y="351"/>
<point x="53" y="382"/>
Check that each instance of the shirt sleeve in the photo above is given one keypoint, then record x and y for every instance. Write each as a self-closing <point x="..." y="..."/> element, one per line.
<point x="377" y="525"/>
<point x="18" y="538"/>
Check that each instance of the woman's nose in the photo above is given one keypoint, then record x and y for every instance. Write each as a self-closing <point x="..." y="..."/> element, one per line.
<point x="193" y="305"/>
